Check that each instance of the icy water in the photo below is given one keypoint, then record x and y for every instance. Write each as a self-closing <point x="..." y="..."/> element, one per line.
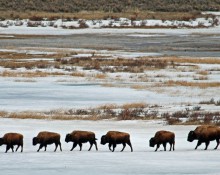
<point x="167" y="44"/>
<point x="47" y="94"/>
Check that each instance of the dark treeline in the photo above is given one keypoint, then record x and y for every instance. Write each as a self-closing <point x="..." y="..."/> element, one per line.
<point x="110" y="5"/>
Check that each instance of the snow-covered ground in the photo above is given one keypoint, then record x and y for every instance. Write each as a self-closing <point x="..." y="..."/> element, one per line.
<point x="60" y="31"/>
<point x="62" y="27"/>
<point x="184" y="160"/>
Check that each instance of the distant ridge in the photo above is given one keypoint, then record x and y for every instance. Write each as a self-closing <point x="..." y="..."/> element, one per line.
<point x="110" y="5"/>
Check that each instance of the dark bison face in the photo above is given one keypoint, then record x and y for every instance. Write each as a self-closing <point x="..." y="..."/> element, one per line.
<point x="35" y="140"/>
<point x="191" y="136"/>
<point x="152" y="142"/>
<point x="68" y="137"/>
<point x="1" y="141"/>
<point x="103" y="140"/>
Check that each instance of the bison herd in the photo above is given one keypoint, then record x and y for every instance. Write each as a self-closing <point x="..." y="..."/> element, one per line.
<point x="204" y="134"/>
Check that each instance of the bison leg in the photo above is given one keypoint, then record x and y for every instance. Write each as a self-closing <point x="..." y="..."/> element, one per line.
<point x="206" y="144"/>
<point x="114" y="146"/>
<point x="91" y="144"/>
<point x="96" y="145"/>
<point x="164" y="146"/>
<point x="22" y="147"/>
<point x="56" y="145"/>
<point x="124" y="144"/>
<point x="80" y="146"/>
<point x="109" y="146"/>
<point x="7" y="148"/>
<point x="158" y="146"/>
<point x="45" y="147"/>
<point x="12" y="148"/>
<point x="60" y="146"/>
<point x="217" y="140"/>
<point x="171" y="144"/>
<point x="74" y="146"/>
<point x="41" y="146"/>
<point x="17" y="148"/>
<point x="129" y="143"/>
<point x="198" y="144"/>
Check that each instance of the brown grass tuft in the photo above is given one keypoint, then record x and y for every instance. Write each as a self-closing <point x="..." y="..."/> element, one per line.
<point x="134" y="105"/>
<point x="29" y="74"/>
<point x="3" y="113"/>
<point x="192" y="84"/>
<point x="100" y="76"/>
<point x="78" y="74"/>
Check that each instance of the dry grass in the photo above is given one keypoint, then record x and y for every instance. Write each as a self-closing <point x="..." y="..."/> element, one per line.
<point x="16" y="55"/>
<point x="40" y="115"/>
<point x="108" y="106"/>
<point x="29" y="74"/>
<point x="101" y="15"/>
<point x="191" y="60"/>
<point x="26" y="115"/>
<point x="115" y="65"/>
<point x="27" y="64"/>
<point x="100" y="76"/>
<point x="202" y="85"/>
<point x="3" y="113"/>
<point x="202" y="72"/>
<point x="78" y="74"/>
<point x="134" y="105"/>
<point x="138" y="87"/>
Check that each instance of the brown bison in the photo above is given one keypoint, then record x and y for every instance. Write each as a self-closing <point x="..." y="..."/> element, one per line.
<point x="46" y="138"/>
<point x="11" y="139"/>
<point x="114" y="138"/>
<point x="163" y="137"/>
<point x="205" y="133"/>
<point x="80" y="137"/>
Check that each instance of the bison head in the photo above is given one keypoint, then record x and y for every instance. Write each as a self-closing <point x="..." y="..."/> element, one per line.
<point x="1" y="141"/>
<point x="68" y="138"/>
<point x="191" y="136"/>
<point x="35" y="140"/>
<point x="104" y="140"/>
<point x="152" y="142"/>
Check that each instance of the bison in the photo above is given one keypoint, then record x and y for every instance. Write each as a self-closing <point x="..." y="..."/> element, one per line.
<point x="46" y="138"/>
<point x="114" y="138"/>
<point x="80" y="137"/>
<point x="205" y="133"/>
<point x="11" y="139"/>
<point x="163" y="137"/>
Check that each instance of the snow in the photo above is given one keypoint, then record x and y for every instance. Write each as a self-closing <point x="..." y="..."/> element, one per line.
<point x="60" y="27"/>
<point x="20" y="30"/>
<point x="184" y="160"/>
<point x="48" y="93"/>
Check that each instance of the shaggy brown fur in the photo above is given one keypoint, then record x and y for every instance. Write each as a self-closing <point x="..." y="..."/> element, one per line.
<point x="80" y="137"/>
<point x="205" y="133"/>
<point x="163" y="137"/>
<point x="46" y="138"/>
<point x="114" y="138"/>
<point x="11" y="139"/>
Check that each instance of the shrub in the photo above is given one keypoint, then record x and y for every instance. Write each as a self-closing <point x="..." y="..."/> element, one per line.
<point x="82" y="24"/>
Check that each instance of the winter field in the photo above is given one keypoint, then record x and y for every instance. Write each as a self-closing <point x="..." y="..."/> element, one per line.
<point x="184" y="160"/>
<point x="95" y="78"/>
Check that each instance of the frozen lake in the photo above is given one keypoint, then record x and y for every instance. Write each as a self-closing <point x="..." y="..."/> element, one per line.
<point x="184" y="160"/>
<point x="47" y="94"/>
